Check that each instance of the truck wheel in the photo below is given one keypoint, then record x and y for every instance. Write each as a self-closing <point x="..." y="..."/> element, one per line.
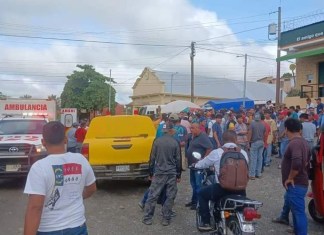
<point x="313" y="213"/>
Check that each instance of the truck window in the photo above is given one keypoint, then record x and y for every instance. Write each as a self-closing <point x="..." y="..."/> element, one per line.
<point x="22" y="127"/>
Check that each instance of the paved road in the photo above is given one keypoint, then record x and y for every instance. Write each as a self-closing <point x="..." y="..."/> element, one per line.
<point x="113" y="209"/>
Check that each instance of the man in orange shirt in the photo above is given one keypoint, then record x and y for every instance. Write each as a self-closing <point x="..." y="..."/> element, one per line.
<point x="80" y="134"/>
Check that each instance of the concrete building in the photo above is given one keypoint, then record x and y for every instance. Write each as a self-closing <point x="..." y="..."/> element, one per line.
<point x="158" y="87"/>
<point x="285" y="83"/>
<point x="306" y="45"/>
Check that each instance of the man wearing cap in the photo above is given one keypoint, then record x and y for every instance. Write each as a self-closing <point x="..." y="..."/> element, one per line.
<point x="57" y="186"/>
<point x="165" y="171"/>
<point x="180" y="135"/>
<point x="71" y="139"/>
<point x="197" y="142"/>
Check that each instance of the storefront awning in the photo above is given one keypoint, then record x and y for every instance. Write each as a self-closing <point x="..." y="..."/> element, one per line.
<point x="302" y="54"/>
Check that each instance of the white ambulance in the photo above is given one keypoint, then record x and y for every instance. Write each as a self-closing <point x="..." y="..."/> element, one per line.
<point x="21" y="125"/>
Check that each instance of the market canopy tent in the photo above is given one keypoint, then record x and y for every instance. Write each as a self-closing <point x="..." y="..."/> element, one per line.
<point x="231" y="103"/>
<point x="179" y="106"/>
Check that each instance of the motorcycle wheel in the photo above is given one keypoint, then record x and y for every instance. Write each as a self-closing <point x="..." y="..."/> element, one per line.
<point x="233" y="226"/>
<point x="313" y="213"/>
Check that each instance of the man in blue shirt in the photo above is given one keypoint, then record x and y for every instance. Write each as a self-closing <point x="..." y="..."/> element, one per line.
<point x="320" y="106"/>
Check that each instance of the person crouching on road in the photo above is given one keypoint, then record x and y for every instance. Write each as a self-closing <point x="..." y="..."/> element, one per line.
<point x="165" y="171"/>
<point x="215" y="192"/>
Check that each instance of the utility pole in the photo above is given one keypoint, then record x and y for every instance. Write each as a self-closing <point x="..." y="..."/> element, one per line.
<point x="192" y="55"/>
<point x="172" y="75"/>
<point x="278" y="61"/>
<point x="109" y="91"/>
<point x="244" y="89"/>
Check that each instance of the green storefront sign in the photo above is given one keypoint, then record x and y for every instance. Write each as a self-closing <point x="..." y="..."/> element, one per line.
<point x="303" y="34"/>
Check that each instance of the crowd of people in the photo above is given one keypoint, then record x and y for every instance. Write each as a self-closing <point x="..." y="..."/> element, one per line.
<point x="262" y="133"/>
<point x="257" y="134"/>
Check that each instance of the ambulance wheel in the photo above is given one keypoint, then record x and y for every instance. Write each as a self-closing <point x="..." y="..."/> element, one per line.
<point x="313" y="213"/>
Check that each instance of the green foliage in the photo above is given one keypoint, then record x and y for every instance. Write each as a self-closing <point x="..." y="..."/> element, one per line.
<point x="293" y="93"/>
<point x="87" y="89"/>
<point x="2" y="96"/>
<point x="287" y="75"/>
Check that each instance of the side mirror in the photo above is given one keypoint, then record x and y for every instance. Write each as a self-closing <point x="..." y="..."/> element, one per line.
<point x="196" y="155"/>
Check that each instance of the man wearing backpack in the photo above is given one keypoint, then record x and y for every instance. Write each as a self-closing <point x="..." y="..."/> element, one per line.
<point x="224" y="177"/>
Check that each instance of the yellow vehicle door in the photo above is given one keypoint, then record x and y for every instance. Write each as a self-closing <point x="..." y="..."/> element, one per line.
<point x="118" y="140"/>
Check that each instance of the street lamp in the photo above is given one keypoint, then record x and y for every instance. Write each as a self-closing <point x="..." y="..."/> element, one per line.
<point x="244" y="88"/>
<point x="172" y="75"/>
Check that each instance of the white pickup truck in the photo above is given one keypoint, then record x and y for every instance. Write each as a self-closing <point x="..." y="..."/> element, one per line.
<point x="20" y="144"/>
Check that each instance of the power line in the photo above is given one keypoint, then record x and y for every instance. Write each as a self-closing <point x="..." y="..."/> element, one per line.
<point x="244" y="31"/>
<point x="90" y="41"/>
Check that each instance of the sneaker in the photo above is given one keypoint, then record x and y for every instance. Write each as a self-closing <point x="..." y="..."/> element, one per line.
<point x="165" y="222"/>
<point x="252" y="178"/>
<point x="280" y="220"/>
<point x="193" y="207"/>
<point x="147" y="221"/>
<point x="290" y="230"/>
<point x="141" y="205"/>
<point x="258" y="176"/>
<point x="267" y="165"/>
<point x="189" y="204"/>
<point x="173" y="214"/>
<point x="204" y="227"/>
<point x="279" y="166"/>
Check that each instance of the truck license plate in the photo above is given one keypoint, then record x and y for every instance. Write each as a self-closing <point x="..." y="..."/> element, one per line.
<point x="13" y="167"/>
<point x="123" y="168"/>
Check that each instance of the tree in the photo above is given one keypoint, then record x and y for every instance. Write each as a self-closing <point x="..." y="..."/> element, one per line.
<point x="2" y="96"/>
<point x="87" y="89"/>
<point x="26" y="96"/>
<point x="293" y="93"/>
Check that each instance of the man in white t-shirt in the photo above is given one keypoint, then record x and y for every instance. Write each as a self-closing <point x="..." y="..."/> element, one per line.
<point x="56" y="186"/>
<point x="210" y="130"/>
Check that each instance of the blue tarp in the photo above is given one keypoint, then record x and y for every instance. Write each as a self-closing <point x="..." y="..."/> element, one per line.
<point x="231" y="103"/>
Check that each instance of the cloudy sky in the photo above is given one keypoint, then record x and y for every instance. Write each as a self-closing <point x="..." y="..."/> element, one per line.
<point x="41" y="42"/>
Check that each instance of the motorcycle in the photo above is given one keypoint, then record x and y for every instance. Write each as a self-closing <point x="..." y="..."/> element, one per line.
<point x="233" y="214"/>
<point x="316" y="204"/>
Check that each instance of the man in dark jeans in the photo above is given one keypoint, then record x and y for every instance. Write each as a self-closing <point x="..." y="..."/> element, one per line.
<point x="215" y="192"/>
<point x="294" y="171"/>
<point x="197" y="142"/>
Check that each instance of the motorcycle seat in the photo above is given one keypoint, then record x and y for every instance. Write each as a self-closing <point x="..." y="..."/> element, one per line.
<point x="234" y="201"/>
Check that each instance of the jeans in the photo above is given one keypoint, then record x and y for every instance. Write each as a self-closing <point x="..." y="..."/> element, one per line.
<point x="283" y="146"/>
<point x="296" y="199"/>
<point x="71" y="149"/>
<point x="310" y="144"/>
<point x="255" y="165"/>
<point x="213" y="193"/>
<point x="160" y="200"/>
<point x="80" y="230"/>
<point x="213" y="141"/>
<point x="159" y="183"/>
<point x="267" y="159"/>
<point x="285" y="209"/>
<point x="195" y="181"/>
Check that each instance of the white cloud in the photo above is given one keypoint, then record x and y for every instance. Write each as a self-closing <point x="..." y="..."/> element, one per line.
<point x="153" y="22"/>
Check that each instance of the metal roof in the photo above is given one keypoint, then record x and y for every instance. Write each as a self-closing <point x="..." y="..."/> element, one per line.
<point x="215" y="87"/>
